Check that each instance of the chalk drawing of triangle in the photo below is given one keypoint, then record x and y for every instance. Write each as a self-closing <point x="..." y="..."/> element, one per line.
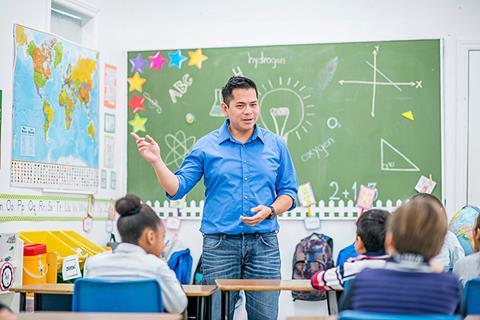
<point x="391" y="159"/>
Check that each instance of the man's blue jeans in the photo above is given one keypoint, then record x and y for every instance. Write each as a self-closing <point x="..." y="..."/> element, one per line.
<point x="245" y="256"/>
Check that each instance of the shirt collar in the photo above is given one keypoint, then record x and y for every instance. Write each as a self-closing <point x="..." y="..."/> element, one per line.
<point x="224" y="134"/>
<point x="128" y="248"/>
<point x="408" y="262"/>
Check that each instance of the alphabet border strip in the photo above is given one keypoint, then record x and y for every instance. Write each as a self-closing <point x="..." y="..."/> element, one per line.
<point x="14" y="207"/>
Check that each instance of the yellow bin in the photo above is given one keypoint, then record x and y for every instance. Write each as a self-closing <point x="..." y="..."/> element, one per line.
<point x="54" y="244"/>
<point x="35" y="265"/>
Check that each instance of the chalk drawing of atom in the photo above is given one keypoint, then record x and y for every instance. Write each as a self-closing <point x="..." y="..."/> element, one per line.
<point x="178" y="146"/>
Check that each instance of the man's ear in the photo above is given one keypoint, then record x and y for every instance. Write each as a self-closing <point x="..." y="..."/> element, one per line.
<point x="224" y="107"/>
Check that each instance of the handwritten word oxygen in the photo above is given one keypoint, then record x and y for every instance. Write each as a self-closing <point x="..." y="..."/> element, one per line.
<point x="265" y="60"/>
<point x="319" y="151"/>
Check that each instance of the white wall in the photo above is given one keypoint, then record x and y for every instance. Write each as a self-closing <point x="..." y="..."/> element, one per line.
<point x="151" y="24"/>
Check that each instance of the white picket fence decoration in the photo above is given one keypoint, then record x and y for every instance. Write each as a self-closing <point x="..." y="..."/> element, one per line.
<point x="332" y="211"/>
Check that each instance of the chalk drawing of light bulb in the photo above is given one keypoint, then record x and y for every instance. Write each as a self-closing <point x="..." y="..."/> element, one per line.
<point x="282" y="110"/>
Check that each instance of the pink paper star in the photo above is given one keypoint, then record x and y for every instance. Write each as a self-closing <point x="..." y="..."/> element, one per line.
<point x="157" y="61"/>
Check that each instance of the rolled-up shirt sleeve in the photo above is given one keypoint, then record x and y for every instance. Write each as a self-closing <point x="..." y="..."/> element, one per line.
<point x="286" y="183"/>
<point x="189" y="173"/>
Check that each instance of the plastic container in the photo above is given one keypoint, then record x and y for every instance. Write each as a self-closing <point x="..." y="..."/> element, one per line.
<point x="54" y="244"/>
<point x="80" y="244"/>
<point x="63" y="243"/>
<point x="35" y="265"/>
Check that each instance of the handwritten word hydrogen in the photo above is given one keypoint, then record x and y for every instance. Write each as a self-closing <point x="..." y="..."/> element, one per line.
<point x="262" y="59"/>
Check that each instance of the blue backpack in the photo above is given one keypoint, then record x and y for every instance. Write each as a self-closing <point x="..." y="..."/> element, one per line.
<point x="181" y="263"/>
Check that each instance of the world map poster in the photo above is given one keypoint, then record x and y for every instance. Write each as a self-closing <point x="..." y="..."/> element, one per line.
<point x="55" y="112"/>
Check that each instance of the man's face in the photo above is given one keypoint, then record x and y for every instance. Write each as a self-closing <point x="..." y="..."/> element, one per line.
<point x="242" y="110"/>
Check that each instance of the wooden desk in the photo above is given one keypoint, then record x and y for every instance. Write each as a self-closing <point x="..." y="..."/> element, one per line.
<point x="46" y="288"/>
<point x="63" y="295"/>
<point x="199" y="290"/>
<point x="227" y="285"/>
<point x="67" y="288"/>
<point x="96" y="316"/>
<point x="263" y="285"/>
<point x="203" y="299"/>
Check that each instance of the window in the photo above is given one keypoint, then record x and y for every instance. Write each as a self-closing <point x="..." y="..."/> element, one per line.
<point x="73" y="20"/>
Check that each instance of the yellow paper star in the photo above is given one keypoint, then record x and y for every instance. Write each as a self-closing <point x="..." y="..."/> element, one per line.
<point x="196" y="58"/>
<point x="136" y="82"/>
<point x="138" y="123"/>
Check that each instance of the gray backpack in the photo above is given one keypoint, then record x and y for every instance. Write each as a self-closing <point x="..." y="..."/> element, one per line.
<point x="312" y="254"/>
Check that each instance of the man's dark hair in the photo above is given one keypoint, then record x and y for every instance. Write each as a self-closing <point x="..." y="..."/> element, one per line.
<point x="237" y="83"/>
<point x="134" y="218"/>
<point x="371" y="227"/>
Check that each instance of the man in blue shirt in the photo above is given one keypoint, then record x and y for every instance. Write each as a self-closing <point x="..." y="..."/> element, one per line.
<point x="249" y="179"/>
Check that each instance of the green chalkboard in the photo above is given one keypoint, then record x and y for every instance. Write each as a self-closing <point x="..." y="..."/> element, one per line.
<point x="351" y="113"/>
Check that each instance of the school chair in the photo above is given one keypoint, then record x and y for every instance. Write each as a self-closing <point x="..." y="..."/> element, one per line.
<point x="94" y="295"/>
<point x="362" y="315"/>
<point x="472" y="297"/>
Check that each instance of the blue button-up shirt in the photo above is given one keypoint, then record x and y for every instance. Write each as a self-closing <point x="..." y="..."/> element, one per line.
<point x="237" y="178"/>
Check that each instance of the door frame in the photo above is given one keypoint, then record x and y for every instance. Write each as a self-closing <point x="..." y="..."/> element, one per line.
<point x="464" y="47"/>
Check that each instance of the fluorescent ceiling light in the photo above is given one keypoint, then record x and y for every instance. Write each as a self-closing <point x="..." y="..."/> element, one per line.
<point x="67" y="14"/>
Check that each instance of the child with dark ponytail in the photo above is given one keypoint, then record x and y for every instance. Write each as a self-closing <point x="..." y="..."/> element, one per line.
<point x="138" y="256"/>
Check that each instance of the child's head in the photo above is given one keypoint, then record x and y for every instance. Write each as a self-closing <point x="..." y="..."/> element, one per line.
<point x="418" y="226"/>
<point x="371" y="231"/>
<point x="6" y="313"/>
<point x="476" y="234"/>
<point x="139" y="224"/>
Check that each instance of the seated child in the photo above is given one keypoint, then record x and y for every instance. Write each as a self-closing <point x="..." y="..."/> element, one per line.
<point x="369" y="243"/>
<point x="407" y="284"/>
<point x="468" y="267"/>
<point x="137" y="257"/>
